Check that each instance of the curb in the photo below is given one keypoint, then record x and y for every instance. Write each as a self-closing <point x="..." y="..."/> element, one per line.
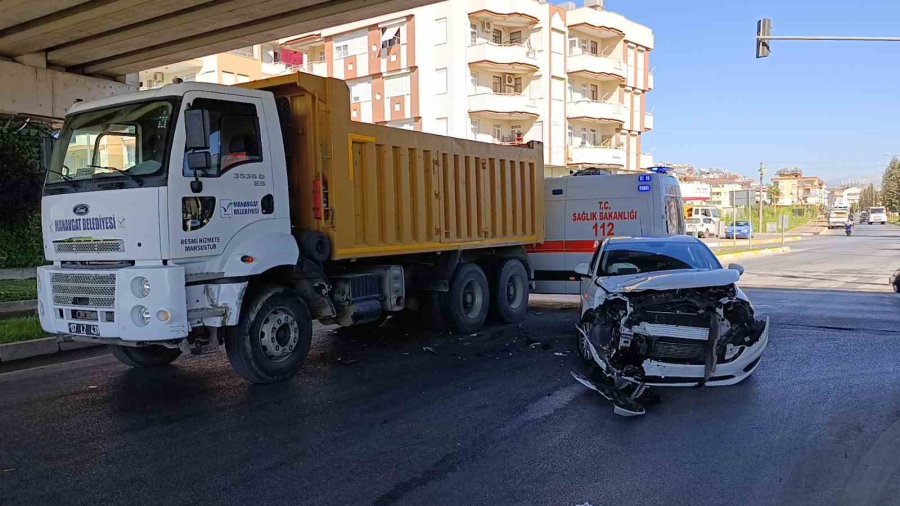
<point x="753" y="253"/>
<point x="38" y="347"/>
<point x="727" y="242"/>
<point x="18" y="308"/>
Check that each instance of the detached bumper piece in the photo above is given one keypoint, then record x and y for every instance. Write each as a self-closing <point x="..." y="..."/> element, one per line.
<point x="688" y="337"/>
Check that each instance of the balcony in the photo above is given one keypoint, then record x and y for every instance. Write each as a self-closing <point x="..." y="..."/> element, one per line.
<point x="606" y="24"/>
<point x="319" y="68"/>
<point x="502" y="106"/>
<point x="600" y="112"/>
<point x="597" y="156"/>
<point x="282" y="68"/>
<point x="648" y="121"/>
<point x="508" y="13"/>
<point x="502" y="57"/>
<point x="595" y="66"/>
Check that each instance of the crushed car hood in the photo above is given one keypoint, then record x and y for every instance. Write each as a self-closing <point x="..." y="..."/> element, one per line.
<point x="669" y="280"/>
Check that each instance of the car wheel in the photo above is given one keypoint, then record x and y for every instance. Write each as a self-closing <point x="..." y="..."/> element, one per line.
<point x="897" y="287"/>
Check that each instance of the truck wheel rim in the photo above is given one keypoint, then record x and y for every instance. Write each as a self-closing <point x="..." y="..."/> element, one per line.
<point x="279" y="334"/>
<point x="472" y="299"/>
<point x="515" y="291"/>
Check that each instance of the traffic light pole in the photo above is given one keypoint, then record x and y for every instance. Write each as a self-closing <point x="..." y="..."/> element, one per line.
<point x="764" y="35"/>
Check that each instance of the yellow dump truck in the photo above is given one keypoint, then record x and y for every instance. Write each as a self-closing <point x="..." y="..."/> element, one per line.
<point x="196" y="214"/>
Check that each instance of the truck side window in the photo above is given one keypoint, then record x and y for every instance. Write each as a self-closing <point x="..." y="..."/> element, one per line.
<point x="233" y="135"/>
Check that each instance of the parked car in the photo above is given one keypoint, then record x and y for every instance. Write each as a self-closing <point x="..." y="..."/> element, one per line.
<point x="895" y="280"/>
<point x="876" y="215"/>
<point x="701" y="227"/>
<point x="663" y="311"/>
<point x="740" y="229"/>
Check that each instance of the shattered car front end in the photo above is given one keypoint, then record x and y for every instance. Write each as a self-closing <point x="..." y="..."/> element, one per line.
<point x="693" y="328"/>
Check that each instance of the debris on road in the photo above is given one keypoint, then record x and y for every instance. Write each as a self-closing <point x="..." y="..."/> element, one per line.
<point x="429" y="349"/>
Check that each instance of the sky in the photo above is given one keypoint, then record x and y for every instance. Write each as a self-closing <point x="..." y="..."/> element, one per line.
<point x="830" y="108"/>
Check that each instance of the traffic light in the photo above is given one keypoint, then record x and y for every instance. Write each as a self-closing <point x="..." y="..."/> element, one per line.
<point x="763" y="29"/>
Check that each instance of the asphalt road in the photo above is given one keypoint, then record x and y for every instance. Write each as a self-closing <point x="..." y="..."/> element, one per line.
<point x="493" y="418"/>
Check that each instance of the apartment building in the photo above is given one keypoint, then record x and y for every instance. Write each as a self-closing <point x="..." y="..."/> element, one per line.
<point x="232" y="67"/>
<point x="796" y="189"/>
<point x="505" y="71"/>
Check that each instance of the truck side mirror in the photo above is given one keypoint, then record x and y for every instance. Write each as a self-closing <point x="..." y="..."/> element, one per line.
<point x="583" y="269"/>
<point x="197" y="161"/>
<point x="196" y="129"/>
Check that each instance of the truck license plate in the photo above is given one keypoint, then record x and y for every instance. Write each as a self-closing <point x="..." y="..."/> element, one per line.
<point x="84" y="329"/>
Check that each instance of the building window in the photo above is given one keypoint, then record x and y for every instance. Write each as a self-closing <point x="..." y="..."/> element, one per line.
<point x="440" y="29"/>
<point x="473" y="34"/>
<point x="594" y="48"/>
<point x="497" y="84"/>
<point x="341" y="51"/>
<point x="390" y="37"/>
<point x="473" y="83"/>
<point x="515" y="37"/>
<point x="594" y="93"/>
<point x="497" y="36"/>
<point x="571" y="135"/>
<point x="571" y="91"/>
<point x="321" y="55"/>
<point x="496" y="131"/>
<point x="517" y="86"/>
<point x="474" y="128"/>
<point x="440" y="81"/>
<point x="441" y="126"/>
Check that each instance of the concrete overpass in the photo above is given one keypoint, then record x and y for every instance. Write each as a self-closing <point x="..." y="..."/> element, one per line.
<point x="53" y="52"/>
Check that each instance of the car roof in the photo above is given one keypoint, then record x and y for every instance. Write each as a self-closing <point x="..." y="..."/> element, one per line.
<point x="667" y="238"/>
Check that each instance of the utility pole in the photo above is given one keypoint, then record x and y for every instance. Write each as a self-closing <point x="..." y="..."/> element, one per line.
<point x="762" y="172"/>
<point x="764" y="35"/>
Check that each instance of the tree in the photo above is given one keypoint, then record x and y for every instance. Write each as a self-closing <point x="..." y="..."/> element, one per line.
<point x="890" y="185"/>
<point x="20" y="166"/>
<point x="867" y="197"/>
<point x="773" y="194"/>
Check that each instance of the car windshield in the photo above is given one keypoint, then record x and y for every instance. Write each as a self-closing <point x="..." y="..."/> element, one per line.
<point x="620" y="258"/>
<point x="125" y="142"/>
<point x="740" y="223"/>
<point x="878" y="210"/>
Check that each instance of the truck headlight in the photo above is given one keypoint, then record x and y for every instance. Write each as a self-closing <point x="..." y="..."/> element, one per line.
<point x="140" y="286"/>
<point x="140" y="315"/>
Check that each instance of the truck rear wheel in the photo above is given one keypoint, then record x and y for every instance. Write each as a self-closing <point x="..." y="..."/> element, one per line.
<point x="272" y="337"/>
<point x="511" y="292"/>
<point x="468" y="300"/>
<point x="145" y="356"/>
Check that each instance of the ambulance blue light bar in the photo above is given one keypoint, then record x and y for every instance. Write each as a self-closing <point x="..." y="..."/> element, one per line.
<point x="660" y="169"/>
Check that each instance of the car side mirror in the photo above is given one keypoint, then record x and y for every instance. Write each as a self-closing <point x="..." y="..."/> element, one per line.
<point x="737" y="267"/>
<point x="196" y="129"/>
<point x="583" y="269"/>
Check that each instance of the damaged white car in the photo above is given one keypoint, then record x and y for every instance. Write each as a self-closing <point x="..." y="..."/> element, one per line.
<point x="661" y="311"/>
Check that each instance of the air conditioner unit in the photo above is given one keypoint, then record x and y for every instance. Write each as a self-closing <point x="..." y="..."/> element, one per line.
<point x="487" y="26"/>
<point x="508" y="79"/>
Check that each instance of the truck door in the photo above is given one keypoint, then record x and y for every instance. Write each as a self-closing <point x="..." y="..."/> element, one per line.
<point x="237" y="186"/>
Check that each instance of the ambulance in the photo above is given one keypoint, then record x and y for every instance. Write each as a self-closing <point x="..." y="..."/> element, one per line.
<point x="581" y="210"/>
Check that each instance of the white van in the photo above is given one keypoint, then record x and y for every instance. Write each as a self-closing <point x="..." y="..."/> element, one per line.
<point x="582" y="210"/>
<point x="877" y="215"/>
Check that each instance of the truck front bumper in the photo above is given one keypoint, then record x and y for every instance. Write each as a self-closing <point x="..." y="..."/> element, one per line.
<point x="132" y="304"/>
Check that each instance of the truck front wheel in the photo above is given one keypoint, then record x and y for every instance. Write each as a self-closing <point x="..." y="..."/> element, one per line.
<point x="145" y="356"/>
<point x="272" y="337"/>
<point x="469" y="299"/>
<point x="511" y="292"/>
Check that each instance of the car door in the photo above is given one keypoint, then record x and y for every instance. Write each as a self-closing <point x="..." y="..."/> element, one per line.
<point x="235" y="191"/>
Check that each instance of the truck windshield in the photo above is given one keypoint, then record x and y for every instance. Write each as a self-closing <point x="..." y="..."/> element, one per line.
<point x="127" y="144"/>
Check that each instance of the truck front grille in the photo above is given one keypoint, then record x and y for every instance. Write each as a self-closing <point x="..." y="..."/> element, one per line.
<point x="83" y="290"/>
<point x="104" y="246"/>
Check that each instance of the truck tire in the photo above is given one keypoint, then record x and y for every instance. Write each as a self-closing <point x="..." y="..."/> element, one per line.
<point x="511" y="292"/>
<point x="272" y="337"/>
<point x="146" y="356"/>
<point x="468" y="301"/>
<point x="315" y="245"/>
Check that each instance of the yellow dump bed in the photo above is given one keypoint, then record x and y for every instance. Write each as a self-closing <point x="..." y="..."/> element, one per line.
<point x="376" y="190"/>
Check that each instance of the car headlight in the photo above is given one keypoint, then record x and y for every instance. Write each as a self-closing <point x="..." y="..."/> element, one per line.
<point x="140" y="315"/>
<point x="140" y="286"/>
